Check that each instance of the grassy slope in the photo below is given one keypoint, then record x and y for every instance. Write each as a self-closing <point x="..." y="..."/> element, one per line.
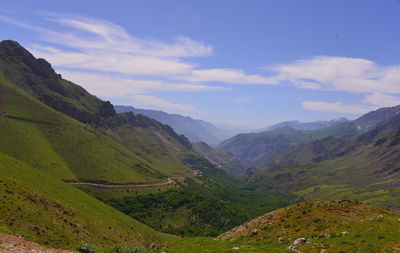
<point x="66" y="148"/>
<point x="369" y="230"/>
<point x="54" y="213"/>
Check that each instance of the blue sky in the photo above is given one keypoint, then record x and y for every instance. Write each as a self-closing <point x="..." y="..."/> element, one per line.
<point x="245" y="63"/>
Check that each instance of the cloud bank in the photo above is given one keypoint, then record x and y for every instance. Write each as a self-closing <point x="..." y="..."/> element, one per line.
<point x="379" y="84"/>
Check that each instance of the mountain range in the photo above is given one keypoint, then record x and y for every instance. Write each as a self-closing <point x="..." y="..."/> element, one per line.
<point x="357" y="159"/>
<point x="194" y="129"/>
<point x="303" y="126"/>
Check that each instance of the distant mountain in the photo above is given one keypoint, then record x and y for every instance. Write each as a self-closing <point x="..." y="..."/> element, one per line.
<point x="194" y="129"/>
<point x="281" y="143"/>
<point x="219" y="158"/>
<point x="252" y="149"/>
<point x="366" y="168"/>
<point x="363" y="124"/>
<point x="303" y="126"/>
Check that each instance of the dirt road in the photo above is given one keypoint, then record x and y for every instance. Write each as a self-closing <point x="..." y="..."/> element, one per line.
<point x="169" y="181"/>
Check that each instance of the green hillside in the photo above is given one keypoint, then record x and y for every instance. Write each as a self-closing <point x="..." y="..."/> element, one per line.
<point x="112" y="148"/>
<point x="328" y="226"/>
<point x="45" y="210"/>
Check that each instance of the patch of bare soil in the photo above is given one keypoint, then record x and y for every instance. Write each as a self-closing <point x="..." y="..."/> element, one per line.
<point x="14" y="244"/>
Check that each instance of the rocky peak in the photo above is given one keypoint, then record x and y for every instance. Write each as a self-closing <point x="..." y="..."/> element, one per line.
<point x="12" y="51"/>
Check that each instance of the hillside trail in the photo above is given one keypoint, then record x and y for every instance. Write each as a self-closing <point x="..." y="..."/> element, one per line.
<point x="169" y="181"/>
<point x="15" y="244"/>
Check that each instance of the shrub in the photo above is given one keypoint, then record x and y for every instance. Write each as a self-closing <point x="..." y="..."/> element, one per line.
<point x="122" y="249"/>
<point x="86" y="248"/>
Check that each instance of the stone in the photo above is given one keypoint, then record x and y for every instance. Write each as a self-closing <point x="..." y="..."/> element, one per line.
<point x="299" y="241"/>
<point x="154" y="246"/>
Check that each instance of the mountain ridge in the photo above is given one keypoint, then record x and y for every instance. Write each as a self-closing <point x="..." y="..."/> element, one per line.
<point x="304" y="126"/>
<point x="196" y="130"/>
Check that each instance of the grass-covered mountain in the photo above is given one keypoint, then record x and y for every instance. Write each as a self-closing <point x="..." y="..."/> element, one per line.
<point x="54" y="131"/>
<point x="56" y="126"/>
<point x="196" y="130"/>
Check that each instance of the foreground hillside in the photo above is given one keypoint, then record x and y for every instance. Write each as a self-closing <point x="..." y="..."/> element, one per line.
<point x="328" y="226"/>
<point x="45" y="210"/>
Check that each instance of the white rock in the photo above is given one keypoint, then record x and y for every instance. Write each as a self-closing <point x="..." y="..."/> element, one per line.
<point x="299" y="241"/>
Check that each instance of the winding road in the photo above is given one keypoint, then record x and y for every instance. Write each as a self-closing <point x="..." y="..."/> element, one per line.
<point x="168" y="182"/>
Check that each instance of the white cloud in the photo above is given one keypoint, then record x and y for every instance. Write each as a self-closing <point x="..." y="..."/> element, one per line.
<point x="340" y="73"/>
<point x="147" y="100"/>
<point x="337" y="107"/>
<point x="98" y="44"/>
<point x="112" y="62"/>
<point x="108" y="85"/>
<point x="226" y="76"/>
<point x="382" y="100"/>
<point x="91" y="33"/>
